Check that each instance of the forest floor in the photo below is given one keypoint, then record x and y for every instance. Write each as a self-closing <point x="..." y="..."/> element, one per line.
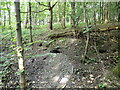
<point x="57" y="61"/>
<point x="94" y="72"/>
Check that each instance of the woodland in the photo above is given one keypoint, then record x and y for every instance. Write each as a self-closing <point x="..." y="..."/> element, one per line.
<point x="59" y="44"/>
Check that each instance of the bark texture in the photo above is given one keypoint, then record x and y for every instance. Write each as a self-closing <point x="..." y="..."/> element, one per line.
<point x="22" y="81"/>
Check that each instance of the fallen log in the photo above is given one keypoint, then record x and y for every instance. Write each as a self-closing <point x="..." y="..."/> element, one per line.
<point x="71" y="32"/>
<point x="61" y="34"/>
<point x="105" y="29"/>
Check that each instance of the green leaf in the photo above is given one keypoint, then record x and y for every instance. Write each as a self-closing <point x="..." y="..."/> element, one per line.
<point x="5" y="9"/>
<point x="87" y="30"/>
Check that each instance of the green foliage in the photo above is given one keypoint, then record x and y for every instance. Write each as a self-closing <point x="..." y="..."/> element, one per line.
<point x="117" y="59"/>
<point x="88" y="60"/>
<point x="7" y="60"/>
<point x="116" y="70"/>
<point x="86" y="30"/>
<point x="101" y="85"/>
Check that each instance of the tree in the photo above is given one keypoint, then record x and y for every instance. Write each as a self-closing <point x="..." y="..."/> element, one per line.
<point x="64" y="10"/>
<point x="4" y="20"/>
<point x="106" y="12"/>
<point x="50" y="8"/>
<point x="31" y="39"/>
<point x="88" y="34"/>
<point x="119" y="11"/>
<point x="51" y="15"/>
<point x="26" y="17"/>
<point x="73" y="14"/>
<point x="94" y="14"/>
<point x="22" y="81"/>
<point x="9" y="14"/>
<point x="59" y="18"/>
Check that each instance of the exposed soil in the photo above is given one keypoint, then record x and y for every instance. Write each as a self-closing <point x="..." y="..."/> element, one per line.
<point x="93" y="72"/>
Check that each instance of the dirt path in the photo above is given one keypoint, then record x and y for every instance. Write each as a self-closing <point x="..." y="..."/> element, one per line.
<point x="50" y="70"/>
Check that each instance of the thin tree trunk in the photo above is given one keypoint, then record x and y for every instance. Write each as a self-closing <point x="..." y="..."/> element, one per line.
<point x="94" y="14"/>
<point x="59" y="19"/>
<point x="63" y="19"/>
<point x="102" y="12"/>
<point x="36" y="19"/>
<point x="9" y="16"/>
<point x="106" y="13"/>
<point x="100" y="17"/>
<point x="20" y="45"/>
<point x="94" y="17"/>
<point x="26" y="17"/>
<point x="4" y="21"/>
<point x="118" y="11"/>
<point x="31" y="38"/>
<point x="51" y="17"/>
<point x="88" y="34"/>
<point x="73" y="13"/>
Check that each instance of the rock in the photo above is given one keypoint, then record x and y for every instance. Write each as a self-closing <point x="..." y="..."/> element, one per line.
<point x="91" y="78"/>
<point x="91" y="75"/>
<point x="83" y="78"/>
<point x="89" y="81"/>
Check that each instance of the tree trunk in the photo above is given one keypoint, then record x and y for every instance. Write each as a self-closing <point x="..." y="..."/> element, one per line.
<point x="119" y="11"/>
<point x="100" y="14"/>
<point x="26" y="18"/>
<point x="51" y="17"/>
<point x="94" y="17"/>
<point x="73" y="14"/>
<point x="106" y="12"/>
<point x="59" y="19"/>
<point x="8" y="7"/>
<point x="94" y="14"/>
<point x="63" y="19"/>
<point x="31" y="38"/>
<point x="102" y="11"/>
<point x="88" y="34"/>
<point x="20" y="45"/>
<point x="4" y="21"/>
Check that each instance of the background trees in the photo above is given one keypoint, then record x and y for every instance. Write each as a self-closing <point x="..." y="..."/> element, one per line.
<point x="70" y="13"/>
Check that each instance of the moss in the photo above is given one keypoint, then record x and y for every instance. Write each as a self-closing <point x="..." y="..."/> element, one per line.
<point x="116" y="70"/>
